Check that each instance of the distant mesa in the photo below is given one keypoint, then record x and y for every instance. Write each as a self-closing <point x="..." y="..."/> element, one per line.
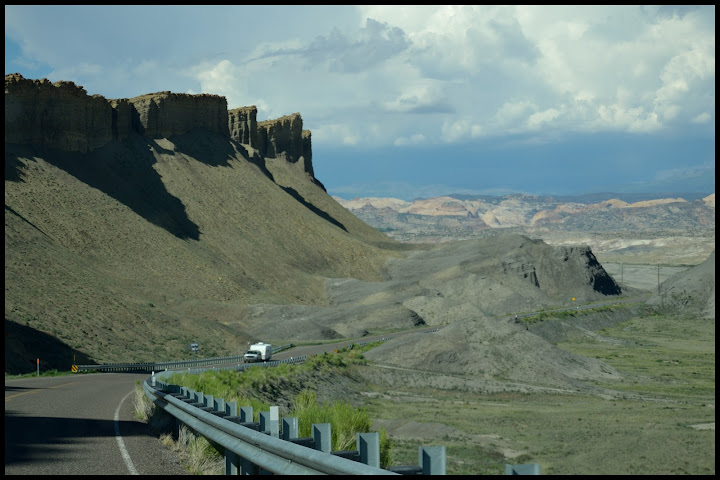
<point x="63" y="116"/>
<point x="710" y="200"/>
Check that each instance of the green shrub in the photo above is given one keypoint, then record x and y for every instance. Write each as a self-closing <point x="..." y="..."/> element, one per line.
<point x="346" y="422"/>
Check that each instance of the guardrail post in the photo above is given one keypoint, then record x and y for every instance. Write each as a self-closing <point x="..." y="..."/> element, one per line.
<point x="432" y="460"/>
<point x="219" y="405"/>
<point x="289" y="428"/>
<point x="269" y="422"/>
<point x="231" y="409"/>
<point x="524" y="469"/>
<point x="322" y="436"/>
<point x="368" y="444"/>
<point x="232" y="462"/>
<point x="246" y="414"/>
<point x="208" y="401"/>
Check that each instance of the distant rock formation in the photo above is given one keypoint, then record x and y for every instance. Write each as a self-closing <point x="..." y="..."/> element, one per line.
<point x="62" y="115"/>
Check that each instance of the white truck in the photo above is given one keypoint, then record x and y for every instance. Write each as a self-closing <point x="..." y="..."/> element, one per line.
<point x="258" y="352"/>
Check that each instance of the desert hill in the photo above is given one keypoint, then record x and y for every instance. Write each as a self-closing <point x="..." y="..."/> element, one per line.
<point x="689" y="292"/>
<point x="136" y="226"/>
<point x="127" y="239"/>
<point x="442" y="285"/>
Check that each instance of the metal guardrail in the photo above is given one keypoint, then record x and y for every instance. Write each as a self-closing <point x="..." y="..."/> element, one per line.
<point x="252" y="448"/>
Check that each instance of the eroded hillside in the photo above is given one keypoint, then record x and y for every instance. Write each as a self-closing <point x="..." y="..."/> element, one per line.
<point x="128" y="247"/>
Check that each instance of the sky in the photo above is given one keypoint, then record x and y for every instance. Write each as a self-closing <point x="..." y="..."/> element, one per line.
<point x="421" y="101"/>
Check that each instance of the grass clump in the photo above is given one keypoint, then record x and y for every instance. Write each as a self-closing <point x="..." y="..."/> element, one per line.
<point x="567" y="314"/>
<point x="347" y="421"/>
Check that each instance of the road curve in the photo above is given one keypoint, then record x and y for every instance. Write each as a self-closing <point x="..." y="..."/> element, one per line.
<point x="80" y="425"/>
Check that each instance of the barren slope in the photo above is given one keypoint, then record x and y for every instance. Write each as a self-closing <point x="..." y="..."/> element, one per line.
<point x="135" y="249"/>
<point x="442" y="285"/>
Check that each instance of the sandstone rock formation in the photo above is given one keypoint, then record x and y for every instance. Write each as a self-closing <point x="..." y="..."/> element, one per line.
<point x="59" y="115"/>
<point x="62" y="115"/>
<point x="285" y="137"/>
<point x="116" y="242"/>
<point x="242" y="125"/>
<point x="164" y="114"/>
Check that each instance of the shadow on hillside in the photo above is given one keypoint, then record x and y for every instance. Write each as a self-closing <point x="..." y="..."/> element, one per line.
<point x="216" y="150"/>
<point x="320" y="213"/>
<point x="24" y="345"/>
<point x="124" y="171"/>
<point x="13" y="172"/>
<point x="204" y="146"/>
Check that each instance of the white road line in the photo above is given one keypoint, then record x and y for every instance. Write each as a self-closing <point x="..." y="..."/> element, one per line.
<point x="121" y="443"/>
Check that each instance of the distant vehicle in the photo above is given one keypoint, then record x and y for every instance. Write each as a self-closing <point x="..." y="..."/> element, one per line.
<point x="258" y="352"/>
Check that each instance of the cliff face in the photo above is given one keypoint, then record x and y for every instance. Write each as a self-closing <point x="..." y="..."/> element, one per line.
<point x="164" y="114"/>
<point x="285" y="137"/>
<point x="242" y="125"/>
<point x="60" y="115"/>
<point x="307" y="151"/>
<point x="272" y="138"/>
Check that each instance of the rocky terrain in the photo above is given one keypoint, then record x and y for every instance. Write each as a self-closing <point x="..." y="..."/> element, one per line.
<point x="441" y="285"/>
<point x="689" y="292"/>
<point x="646" y="228"/>
<point x="165" y="219"/>
<point x="124" y="249"/>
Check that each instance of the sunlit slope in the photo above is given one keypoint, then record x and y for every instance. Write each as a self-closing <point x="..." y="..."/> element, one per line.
<point x="137" y="247"/>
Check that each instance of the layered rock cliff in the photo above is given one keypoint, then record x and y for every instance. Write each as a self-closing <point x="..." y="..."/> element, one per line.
<point x="122" y="247"/>
<point x="242" y="125"/>
<point x="62" y="115"/>
<point x="285" y="137"/>
<point x="164" y="114"/>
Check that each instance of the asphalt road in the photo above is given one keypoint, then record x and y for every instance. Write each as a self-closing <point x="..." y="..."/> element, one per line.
<point x="80" y="425"/>
<point x="329" y="347"/>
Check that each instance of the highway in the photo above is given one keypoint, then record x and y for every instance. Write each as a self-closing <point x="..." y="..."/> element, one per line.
<point x="80" y="425"/>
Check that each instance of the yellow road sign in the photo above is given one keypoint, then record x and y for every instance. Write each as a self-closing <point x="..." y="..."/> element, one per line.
<point x="74" y="368"/>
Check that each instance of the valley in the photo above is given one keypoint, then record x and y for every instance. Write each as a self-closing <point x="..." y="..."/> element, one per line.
<point x="129" y="236"/>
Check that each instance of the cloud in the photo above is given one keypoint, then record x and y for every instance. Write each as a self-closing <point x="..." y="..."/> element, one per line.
<point x="348" y="52"/>
<point x="415" y="139"/>
<point x="702" y="118"/>
<point x="421" y="98"/>
<point x="688" y="172"/>
<point x="443" y="76"/>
